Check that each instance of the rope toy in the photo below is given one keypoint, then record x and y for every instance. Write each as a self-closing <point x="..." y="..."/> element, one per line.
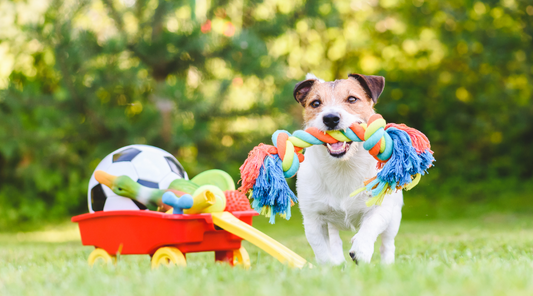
<point x="403" y="154"/>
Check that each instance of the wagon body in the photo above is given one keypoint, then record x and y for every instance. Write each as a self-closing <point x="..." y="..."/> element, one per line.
<point x="144" y="232"/>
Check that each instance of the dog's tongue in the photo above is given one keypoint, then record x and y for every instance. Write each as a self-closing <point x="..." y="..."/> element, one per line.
<point x="337" y="149"/>
<point x="337" y="146"/>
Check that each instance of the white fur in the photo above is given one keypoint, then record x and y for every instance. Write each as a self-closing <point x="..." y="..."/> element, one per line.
<point x="324" y="184"/>
<point x="312" y="76"/>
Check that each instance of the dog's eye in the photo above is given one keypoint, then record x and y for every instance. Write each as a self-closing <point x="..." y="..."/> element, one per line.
<point x="315" y="104"/>
<point x="352" y="100"/>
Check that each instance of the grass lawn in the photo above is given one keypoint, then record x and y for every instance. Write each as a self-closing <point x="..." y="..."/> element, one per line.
<point x="491" y="255"/>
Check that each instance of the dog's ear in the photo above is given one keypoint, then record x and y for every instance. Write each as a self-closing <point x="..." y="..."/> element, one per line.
<point x="373" y="85"/>
<point x="301" y="90"/>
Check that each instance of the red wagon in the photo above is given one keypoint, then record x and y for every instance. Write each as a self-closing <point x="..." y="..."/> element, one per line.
<point x="165" y="237"/>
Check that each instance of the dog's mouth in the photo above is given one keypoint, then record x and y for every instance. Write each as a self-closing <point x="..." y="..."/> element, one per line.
<point x="338" y="149"/>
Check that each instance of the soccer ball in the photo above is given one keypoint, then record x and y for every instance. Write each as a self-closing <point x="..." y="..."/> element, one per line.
<point x="149" y="166"/>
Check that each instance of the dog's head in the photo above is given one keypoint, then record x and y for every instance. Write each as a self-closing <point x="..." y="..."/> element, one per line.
<point x="335" y="105"/>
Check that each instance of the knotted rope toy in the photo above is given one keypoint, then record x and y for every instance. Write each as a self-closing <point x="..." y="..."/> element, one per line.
<point x="403" y="154"/>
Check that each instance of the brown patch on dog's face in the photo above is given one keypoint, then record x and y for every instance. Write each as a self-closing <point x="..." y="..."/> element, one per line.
<point x="347" y="94"/>
<point x="373" y="85"/>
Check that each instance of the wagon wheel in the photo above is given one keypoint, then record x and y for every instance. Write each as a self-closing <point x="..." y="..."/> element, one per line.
<point x="168" y="256"/>
<point x="101" y="255"/>
<point x="240" y="257"/>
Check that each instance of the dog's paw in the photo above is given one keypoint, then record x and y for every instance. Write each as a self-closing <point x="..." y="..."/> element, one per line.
<point x="331" y="260"/>
<point x="387" y="254"/>
<point x="338" y="259"/>
<point x="361" y="250"/>
<point x="387" y="259"/>
<point x="323" y="259"/>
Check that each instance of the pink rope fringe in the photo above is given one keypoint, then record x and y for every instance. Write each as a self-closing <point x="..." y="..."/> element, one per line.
<point x="420" y="141"/>
<point x="250" y="168"/>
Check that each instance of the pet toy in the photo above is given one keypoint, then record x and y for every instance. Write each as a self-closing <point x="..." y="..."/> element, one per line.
<point x="207" y="198"/>
<point x="403" y="154"/>
<point x="207" y="214"/>
<point x="146" y="165"/>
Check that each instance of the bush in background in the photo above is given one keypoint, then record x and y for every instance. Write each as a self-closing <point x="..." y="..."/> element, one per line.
<point x="207" y="81"/>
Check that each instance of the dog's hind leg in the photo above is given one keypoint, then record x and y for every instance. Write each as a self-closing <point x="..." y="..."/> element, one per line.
<point x="388" y="248"/>
<point x="335" y="243"/>
<point x="316" y="232"/>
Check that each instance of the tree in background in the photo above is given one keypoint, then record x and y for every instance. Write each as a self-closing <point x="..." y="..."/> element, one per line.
<point x="208" y="80"/>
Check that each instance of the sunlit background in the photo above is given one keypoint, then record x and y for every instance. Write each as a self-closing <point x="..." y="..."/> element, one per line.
<point x="208" y="80"/>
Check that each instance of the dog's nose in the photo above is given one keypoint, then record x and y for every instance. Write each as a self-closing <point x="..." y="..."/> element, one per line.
<point x="331" y="120"/>
<point x="352" y="254"/>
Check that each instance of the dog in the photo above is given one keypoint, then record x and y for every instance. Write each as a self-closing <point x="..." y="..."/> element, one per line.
<point x="330" y="173"/>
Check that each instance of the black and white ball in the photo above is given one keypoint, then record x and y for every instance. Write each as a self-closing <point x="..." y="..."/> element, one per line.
<point x="148" y="165"/>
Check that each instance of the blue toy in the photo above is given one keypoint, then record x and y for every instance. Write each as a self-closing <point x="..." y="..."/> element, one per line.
<point x="178" y="204"/>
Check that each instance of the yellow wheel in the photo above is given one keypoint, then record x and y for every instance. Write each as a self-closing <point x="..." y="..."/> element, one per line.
<point x="240" y="257"/>
<point x="168" y="256"/>
<point x="101" y="255"/>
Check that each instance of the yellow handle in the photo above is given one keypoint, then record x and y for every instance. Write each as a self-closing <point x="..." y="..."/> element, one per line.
<point x="201" y="201"/>
<point x="232" y="224"/>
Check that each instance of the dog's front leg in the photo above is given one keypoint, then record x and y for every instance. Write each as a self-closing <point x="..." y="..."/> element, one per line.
<point x="316" y="232"/>
<point x="372" y="225"/>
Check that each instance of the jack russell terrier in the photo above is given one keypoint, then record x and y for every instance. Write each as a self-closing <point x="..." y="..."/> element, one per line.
<point x="331" y="172"/>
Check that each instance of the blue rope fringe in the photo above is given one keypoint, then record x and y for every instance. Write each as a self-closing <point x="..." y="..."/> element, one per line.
<point x="271" y="190"/>
<point x="405" y="161"/>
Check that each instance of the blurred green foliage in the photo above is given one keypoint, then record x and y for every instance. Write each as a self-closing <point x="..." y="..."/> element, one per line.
<point x="208" y="80"/>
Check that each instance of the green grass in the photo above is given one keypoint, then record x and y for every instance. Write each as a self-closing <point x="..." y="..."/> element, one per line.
<point x="491" y="255"/>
